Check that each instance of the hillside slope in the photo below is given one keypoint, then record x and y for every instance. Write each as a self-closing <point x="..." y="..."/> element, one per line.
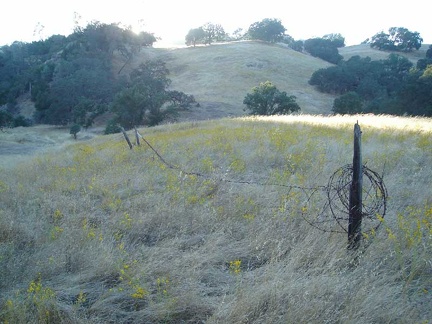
<point x="220" y="75"/>
<point x="364" y="50"/>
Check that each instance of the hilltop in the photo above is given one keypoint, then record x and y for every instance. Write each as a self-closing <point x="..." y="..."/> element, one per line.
<point x="220" y="75"/>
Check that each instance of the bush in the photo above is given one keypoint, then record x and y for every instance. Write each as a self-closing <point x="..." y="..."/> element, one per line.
<point x="6" y="119"/>
<point x="75" y="129"/>
<point x="112" y="127"/>
<point x="22" y="121"/>
<point x="266" y="99"/>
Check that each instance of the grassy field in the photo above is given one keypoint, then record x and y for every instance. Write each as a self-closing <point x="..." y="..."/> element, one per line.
<point x="208" y="225"/>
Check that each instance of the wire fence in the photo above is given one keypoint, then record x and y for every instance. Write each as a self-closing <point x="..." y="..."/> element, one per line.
<point x="333" y="215"/>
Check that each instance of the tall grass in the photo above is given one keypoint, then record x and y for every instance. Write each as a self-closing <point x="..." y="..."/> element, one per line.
<point x="98" y="233"/>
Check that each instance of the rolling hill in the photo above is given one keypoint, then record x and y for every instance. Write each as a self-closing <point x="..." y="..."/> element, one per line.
<point x="226" y="220"/>
<point x="220" y="75"/>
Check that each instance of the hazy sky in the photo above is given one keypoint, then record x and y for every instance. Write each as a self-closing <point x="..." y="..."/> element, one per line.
<point x="172" y="19"/>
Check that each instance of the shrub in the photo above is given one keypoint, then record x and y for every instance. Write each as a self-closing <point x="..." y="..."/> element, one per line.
<point x="266" y="99"/>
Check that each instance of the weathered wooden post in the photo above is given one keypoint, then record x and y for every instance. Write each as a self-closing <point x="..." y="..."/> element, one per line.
<point x="137" y="136"/>
<point x="355" y="196"/>
<point x="126" y="137"/>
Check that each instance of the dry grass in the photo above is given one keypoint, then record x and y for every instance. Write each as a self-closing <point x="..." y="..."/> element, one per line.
<point x="220" y="75"/>
<point x="365" y="50"/>
<point x="98" y="233"/>
<point x="19" y="144"/>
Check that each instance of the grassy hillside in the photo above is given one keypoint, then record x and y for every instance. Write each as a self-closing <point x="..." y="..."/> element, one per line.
<point x="208" y="225"/>
<point x="220" y="75"/>
<point x="365" y="50"/>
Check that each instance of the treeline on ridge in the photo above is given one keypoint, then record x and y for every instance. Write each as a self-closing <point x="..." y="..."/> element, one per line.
<point x="391" y="86"/>
<point x="72" y="80"/>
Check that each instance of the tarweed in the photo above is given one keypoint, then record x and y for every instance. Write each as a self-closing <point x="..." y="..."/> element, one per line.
<point x="235" y="267"/>
<point x="37" y="301"/>
<point x="411" y="244"/>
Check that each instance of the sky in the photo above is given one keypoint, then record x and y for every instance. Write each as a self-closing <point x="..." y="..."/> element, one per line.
<point x="30" y="20"/>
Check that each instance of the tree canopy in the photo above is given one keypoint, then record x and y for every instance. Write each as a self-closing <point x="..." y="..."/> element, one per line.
<point x="390" y="86"/>
<point x="195" y="36"/>
<point x="146" y="99"/>
<point x="72" y="79"/>
<point x="266" y="99"/>
<point x="269" y="30"/>
<point x="336" y="40"/>
<point x="205" y="34"/>
<point x="325" y="48"/>
<point x="397" y="39"/>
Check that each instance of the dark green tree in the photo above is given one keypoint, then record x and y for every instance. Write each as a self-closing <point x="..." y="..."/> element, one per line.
<point x="337" y="39"/>
<point x="405" y="40"/>
<point x="325" y="49"/>
<point x="266" y="99"/>
<point x="423" y="63"/>
<point x="181" y="100"/>
<point x="335" y="79"/>
<point x="381" y="41"/>
<point x="6" y="119"/>
<point x="214" y="33"/>
<point x="395" y="72"/>
<point x="195" y="36"/>
<point x="269" y="30"/>
<point x="397" y="39"/>
<point x="348" y="103"/>
<point x="74" y="130"/>
<point x="146" y="100"/>
<point x="415" y="97"/>
<point x="77" y="92"/>
<point x="429" y="52"/>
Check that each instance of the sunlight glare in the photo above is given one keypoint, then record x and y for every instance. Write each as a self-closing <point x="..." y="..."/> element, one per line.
<point x="409" y="124"/>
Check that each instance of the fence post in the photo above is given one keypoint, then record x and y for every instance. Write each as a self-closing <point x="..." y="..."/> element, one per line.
<point x="355" y="195"/>
<point x="126" y="137"/>
<point x="137" y="136"/>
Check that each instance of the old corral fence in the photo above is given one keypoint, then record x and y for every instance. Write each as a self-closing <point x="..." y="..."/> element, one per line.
<point x="356" y="197"/>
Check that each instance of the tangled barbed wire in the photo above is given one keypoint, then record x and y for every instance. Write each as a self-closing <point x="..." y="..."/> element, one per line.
<point x="335" y="209"/>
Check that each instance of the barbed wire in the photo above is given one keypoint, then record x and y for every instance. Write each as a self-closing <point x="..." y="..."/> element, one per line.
<point x="335" y="208"/>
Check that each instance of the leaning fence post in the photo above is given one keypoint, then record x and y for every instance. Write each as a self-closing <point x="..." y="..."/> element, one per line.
<point x="137" y="136"/>
<point x="355" y="195"/>
<point x="126" y="137"/>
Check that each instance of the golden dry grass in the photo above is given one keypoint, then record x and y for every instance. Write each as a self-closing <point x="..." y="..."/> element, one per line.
<point x="19" y="144"/>
<point x="98" y="233"/>
<point x="220" y="75"/>
<point x="92" y="232"/>
<point x="364" y="50"/>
